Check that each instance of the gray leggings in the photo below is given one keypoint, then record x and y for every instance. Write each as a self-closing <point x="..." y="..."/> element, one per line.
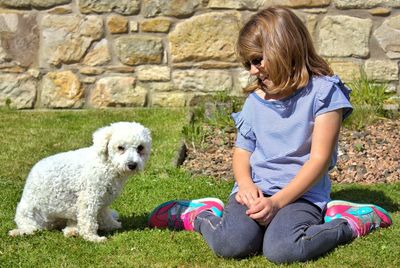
<point x="296" y="233"/>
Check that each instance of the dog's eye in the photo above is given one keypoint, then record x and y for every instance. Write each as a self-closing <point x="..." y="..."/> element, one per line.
<point x="121" y="148"/>
<point x="140" y="148"/>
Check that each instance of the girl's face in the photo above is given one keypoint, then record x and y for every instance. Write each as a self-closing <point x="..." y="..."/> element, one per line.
<point x="257" y="68"/>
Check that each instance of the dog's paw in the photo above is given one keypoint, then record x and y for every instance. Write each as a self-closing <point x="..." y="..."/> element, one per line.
<point x="15" y="232"/>
<point x="95" y="238"/>
<point x="18" y="232"/>
<point x="70" y="231"/>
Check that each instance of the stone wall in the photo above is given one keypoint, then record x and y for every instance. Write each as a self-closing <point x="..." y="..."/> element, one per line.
<point x="109" y="53"/>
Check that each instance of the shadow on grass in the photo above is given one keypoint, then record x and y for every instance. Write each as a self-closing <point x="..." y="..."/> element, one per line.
<point x="366" y="196"/>
<point x="134" y="222"/>
<point x="130" y="223"/>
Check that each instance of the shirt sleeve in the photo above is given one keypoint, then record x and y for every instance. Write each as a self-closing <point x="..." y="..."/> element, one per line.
<point x="333" y="97"/>
<point x="245" y="138"/>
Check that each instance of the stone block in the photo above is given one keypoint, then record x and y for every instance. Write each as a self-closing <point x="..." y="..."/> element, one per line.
<point x="124" y="7"/>
<point x="362" y="4"/>
<point x="17" y="91"/>
<point x="237" y="4"/>
<point x="388" y="36"/>
<point x="117" y="91"/>
<point x="33" y="3"/>
<point x="382" y="70"/>
<point x="139" y="49"/>
<point x="98" y="55"/>
<point x="347" y="70"/>
<point x="380" y="11"/>
<point x="117" y="24"/>
<point x="19" y="39"/>
<point x="66" y="38"/>
<point x="202" y="80"/>
<point x="156" y="25"/>
<point x="120" y="69"/>
<point x="170" y="99"/>
<point x="210" y="36"/>
<point x="172" y="8"/>
<point x="133" y="26"/>
<point x="153" y="73"/>
<point x="61" y="90"/>
<point x="344" y="36"/>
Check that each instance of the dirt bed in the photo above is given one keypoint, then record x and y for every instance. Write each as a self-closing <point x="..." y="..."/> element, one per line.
<point x="368" y="156"/>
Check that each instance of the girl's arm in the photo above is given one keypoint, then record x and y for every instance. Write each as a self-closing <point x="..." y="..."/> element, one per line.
<point x="248" y="191"/>
<point x="324" y="137"/>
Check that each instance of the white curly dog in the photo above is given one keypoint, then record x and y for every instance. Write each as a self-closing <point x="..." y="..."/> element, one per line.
<point x="72" y="190"/>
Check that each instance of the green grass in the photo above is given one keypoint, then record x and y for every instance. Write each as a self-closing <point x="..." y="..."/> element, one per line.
<point x="27" y="136"/>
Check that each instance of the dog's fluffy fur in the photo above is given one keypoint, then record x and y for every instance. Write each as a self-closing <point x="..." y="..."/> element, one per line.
<point x="72" y="190"/>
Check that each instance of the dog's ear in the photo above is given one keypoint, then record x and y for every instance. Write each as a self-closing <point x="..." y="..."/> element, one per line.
<point x="147" y="135"/>
<point x="101" y="137"/>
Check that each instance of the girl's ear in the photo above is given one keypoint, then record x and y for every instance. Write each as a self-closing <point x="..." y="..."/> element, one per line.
<point x="101" y="138"/>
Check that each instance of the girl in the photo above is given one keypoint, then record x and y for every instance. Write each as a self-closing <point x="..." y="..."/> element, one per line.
<point x="286" y="144"/>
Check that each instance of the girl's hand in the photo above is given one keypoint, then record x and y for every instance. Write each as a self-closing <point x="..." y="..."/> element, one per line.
<point x="263" y="210"/>
<point x="247" y="194"/>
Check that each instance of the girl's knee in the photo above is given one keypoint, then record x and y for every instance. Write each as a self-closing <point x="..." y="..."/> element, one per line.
<point x="237" y="246"/>
<point x="284" y="253"/>
<point x="276" y="255"/>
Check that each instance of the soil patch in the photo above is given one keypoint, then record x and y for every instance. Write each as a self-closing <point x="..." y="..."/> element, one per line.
<point x="368" y="156"/>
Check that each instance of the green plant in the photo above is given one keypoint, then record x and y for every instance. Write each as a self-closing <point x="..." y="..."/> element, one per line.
<point x="222" y="96"/>
<point x="361" y="117"/>
<point x="367" y="98"/>
<point x="8" y="103"/>
<point x="212" y="112"/>
<point x="225" y="105"/>
<point x="367" y="92"/>
<point x="359" y="147"/>
<point x="194" y="133"/>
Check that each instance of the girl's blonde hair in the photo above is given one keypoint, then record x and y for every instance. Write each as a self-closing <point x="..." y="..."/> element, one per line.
<point x="278" y="36"/>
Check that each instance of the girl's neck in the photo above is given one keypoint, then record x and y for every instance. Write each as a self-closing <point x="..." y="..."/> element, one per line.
<point x="271" y="97"/>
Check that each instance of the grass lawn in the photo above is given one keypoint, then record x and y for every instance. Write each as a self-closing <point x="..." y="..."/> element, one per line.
<point x="27" y="136"/>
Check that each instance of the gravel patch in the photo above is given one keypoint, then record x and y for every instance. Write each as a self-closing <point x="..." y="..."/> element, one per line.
<point x="368" y="156"/>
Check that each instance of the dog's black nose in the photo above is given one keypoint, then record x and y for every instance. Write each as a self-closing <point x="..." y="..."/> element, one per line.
<point x="132" y="165"/>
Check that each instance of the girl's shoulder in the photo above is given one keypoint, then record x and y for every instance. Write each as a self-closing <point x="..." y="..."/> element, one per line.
<point x="331" y="93"/>
<point x="324" y="84"/>
<point x="327" y="80"/>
